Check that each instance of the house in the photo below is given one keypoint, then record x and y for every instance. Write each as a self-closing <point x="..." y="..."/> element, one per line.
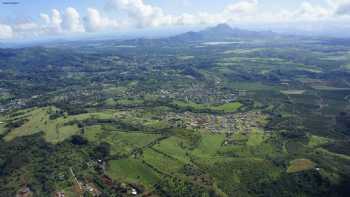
<point x="92" y="189"/>
<point x="59" y="194"/>
<point x="133" y="191"/>
<point x="24" y="192"/>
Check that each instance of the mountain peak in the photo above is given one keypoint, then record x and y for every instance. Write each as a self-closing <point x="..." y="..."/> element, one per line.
<point x="220" y="32"/>
<point x="223" y="27"/>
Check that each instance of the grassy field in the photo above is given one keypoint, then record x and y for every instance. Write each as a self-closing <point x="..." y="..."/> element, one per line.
<point x="172" y="146"/>
<point x="347" y="66"/>
<point x="129" y="102"/>
<point x="209" y="145"/>
<point x="315" y="141"/>
<point x="253" y="86"/>
<point x="114" y="91"/>
<point x="226" y="108"/>
<point x="293" y="92"/>
<point x="299" y="165"/>
<point x="162" y="162"/>
<point x="55" y="130"/>
<point x="255" y="138"/>
<point x="94" y="133"/>
<point x="329" y="88"/>
<point x="121" y="142"/>
<point x="185" y="57"/>
<point x="132" y="170"/>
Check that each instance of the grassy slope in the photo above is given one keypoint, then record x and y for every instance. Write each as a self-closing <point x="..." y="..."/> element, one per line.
<point x="172" y="146"/>
<point x="299" y="165"/>
<point x="162" y="162"/>
<point x="209" y="145"/>
<point x="54" y="130"/>
<point x="132" y="170"/>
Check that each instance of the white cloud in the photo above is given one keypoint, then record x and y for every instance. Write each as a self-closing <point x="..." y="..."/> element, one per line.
<point x="188" y="19"/>
<point x="146" y="15"/>
<point x="52" y="23"/>
<point x="57" y="23"/>
<point x="26" y="26"/>
<point x="71" y="21"/>
<point x="242" y="7"/>
<point x="46" y="18"/>
<point x="6" y="31"/>
<point x="341" y="7"/>
<point x="94" y="22"/>
<point x="142" y="14"/>
<point x="25" y="29"/>
<point x="308" y="11"/>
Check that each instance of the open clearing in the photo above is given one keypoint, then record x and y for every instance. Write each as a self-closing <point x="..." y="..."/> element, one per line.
<point x="226" y="108"/>
<point x="55" y="130"/>
<point x="132" y="170"/>
<point x="293" y="92"/>
<point x="209" y="145"/>
<point x="299" y="165"/>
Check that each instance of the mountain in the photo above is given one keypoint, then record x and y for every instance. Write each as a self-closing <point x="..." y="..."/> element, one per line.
<point x="221" y="32"/>
<point x="217" y="33"/>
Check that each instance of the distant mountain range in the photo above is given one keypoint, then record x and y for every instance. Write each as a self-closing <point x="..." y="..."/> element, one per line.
<point x="221" y="32"/>
<point x="218" y="33"/>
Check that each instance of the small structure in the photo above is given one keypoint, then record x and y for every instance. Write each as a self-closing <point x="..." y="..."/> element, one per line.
<point x="92" y="189"/>
<point x="24" y="192"/>
<point x="106" y="180"/>
<point x="60" y="194"/>
<point x="133" y="191"/>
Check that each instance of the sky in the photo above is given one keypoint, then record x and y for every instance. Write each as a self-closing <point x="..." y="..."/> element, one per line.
<point x="33" y="19"/>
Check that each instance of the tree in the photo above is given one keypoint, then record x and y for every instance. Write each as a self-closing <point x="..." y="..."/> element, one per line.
<point x="78" y="140"/>
<point x="102" y="150"/>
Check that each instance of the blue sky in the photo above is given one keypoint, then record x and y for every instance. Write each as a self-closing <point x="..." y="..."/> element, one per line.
<point x="31" y="8"/>
<point x="37" y="18"/>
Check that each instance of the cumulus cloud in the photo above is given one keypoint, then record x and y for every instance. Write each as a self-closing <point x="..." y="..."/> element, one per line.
<point x="94" y="21"/>
<point x="146" y="15"/>
<point x="71" y="21"/>
<point x="46" y="18"/>
<point x="143" y="15"/>
<point x="6" y="31"/>
<point x="341" y="7"/>
<point x="52" y="23"/>
<point x="242" y="7"/>
<point x="56" y="22"/>
<point x="27" y="29"/>
<point x="309" y="11"/>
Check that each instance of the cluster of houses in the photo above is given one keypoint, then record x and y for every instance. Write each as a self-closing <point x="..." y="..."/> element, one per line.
<point x="13" y="104"/>
<point x="201" y="94"/>
<point x="216" y="123"/>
